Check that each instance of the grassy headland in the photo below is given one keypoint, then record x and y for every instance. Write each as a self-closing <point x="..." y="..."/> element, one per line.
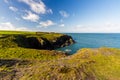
<point x="34" y="40"/>
<point x="18" y="61"/>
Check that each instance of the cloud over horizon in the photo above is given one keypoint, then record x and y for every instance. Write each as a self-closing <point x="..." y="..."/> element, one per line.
<point x="93" y="28"/>
<point x="10" y="26"/>
<point x="62" y="25"/>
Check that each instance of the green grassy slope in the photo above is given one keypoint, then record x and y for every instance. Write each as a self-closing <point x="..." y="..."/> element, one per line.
<point x="30" y="54"/>
<point x="16" y="32"/>
<point x="86" y="64"/>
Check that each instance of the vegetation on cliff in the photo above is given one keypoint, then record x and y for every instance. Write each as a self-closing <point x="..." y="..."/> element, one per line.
<point x="20" y="59"/>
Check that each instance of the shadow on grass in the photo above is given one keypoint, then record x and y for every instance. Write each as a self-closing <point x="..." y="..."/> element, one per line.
<point x="12" y="62"/>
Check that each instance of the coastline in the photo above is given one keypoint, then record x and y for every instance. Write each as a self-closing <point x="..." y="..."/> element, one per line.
<point x="21" y="62"/>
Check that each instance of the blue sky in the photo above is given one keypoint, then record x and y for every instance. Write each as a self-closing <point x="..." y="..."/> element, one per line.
<point x="79" y="16"/>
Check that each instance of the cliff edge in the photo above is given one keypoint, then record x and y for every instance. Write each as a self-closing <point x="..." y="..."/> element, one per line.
<point x="38" y="40"/>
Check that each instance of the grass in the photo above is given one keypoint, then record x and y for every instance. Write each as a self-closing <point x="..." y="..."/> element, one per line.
<point x="104" y="63"/>
<point x="52" y="36"/>
<point x="16" y="32"/>
<point x="30" y="54"/>
<point x="86" y="64"/>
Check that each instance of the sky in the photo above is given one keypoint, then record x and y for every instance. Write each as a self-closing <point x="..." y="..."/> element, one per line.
<point x="72" y="16"/>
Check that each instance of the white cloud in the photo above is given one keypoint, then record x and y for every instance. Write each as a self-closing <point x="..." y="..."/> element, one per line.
<point x="6" y="26"/>
<point x="31" y="17"/>
<point x="13" y="8"/>
<point x="37" y="7"/>
<point x="64" y="14"/>
<point x="50" y="11"/>
<point x="6" y="1"/>
<point x="101" y="28"/>
<point x="47" y="23"/>
<point x="62" y="25"/>
<point x="80" y="26"/>
<point x="10" y="26"/>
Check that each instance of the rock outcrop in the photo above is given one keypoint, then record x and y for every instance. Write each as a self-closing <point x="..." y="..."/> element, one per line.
<point x="38" y="41"/>
<point x="44" y="43"/>
<point x="63" y="41"/>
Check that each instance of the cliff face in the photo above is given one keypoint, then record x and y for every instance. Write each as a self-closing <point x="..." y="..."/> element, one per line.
<point x="47" y="41"/>
<point x="44" y="43"/>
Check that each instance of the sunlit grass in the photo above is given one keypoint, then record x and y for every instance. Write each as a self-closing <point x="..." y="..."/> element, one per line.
<point x="16" y="32"/>
<point x="91" y="64"/>
<point x="29" y="54"/>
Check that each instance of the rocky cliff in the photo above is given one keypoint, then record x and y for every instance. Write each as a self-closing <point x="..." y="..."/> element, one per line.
<point x="47" y="41"/>
<point x="44" y="43"/>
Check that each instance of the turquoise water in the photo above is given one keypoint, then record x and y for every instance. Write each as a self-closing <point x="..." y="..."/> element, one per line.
<point x="92" y="40"/>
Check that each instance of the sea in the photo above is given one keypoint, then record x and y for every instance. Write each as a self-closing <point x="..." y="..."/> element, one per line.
<point x="92" y="40"/>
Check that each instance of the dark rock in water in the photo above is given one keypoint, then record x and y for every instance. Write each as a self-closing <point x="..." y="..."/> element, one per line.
<point x="63" y="41"/>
